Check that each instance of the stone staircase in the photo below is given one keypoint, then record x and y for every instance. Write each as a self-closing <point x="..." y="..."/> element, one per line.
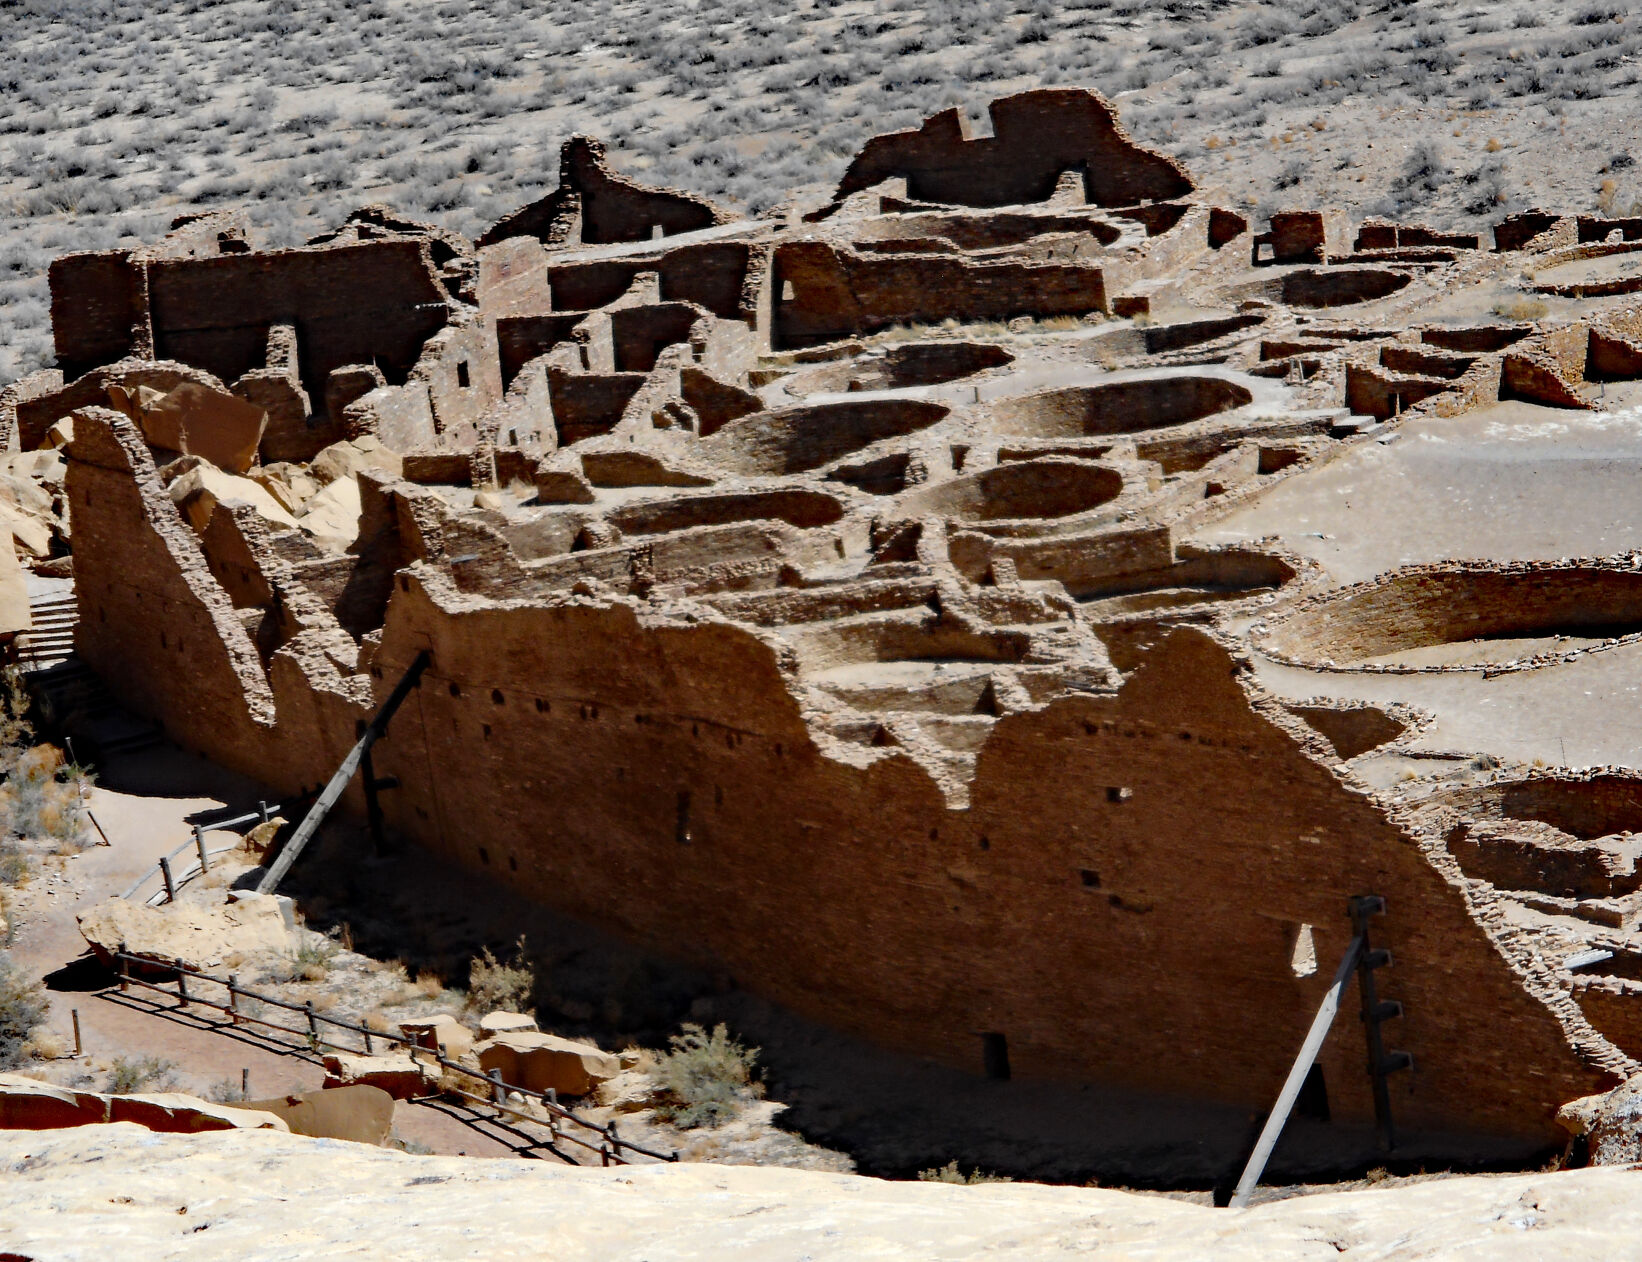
<point x="51" y="641"/>
<point x="69" y="698"/>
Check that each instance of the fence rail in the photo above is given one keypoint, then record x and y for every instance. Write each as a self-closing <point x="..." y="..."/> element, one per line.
<point x="600" y="1139"/>
<point x="172" y="879"/>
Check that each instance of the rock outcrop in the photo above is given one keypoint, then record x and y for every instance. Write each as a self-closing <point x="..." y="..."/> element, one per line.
<point x="232" y="1196"/>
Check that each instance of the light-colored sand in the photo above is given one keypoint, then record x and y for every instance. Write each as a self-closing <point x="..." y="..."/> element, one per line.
<point x="1511" y="481"/>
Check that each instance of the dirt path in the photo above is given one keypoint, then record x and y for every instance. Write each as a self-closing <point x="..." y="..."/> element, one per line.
<point x="177" y="788"/>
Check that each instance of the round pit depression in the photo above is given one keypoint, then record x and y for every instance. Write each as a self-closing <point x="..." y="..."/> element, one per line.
<point x="902" y="366"/>
<point x="1118" y="407"/>
<point x="795" y="440"/>
<point x="1340" y="286"/>
<point x="1053" y="487"/>
<point x="1460" y="618"/>
<point x="801" y="508"/>
<point x="1583" y="806"/>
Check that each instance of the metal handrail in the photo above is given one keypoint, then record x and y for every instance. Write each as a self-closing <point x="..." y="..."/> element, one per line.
<point x="611" y="1145"/>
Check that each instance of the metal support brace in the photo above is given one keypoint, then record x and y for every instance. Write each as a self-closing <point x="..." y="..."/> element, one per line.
<point x="1375" y="1013"/>
<point x="1363" y="960"/>
<point x="338" y="782"/>
<point x="374" y="785"/>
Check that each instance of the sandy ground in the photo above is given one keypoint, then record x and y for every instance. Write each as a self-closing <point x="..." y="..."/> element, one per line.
<point x="1510" y="481"/>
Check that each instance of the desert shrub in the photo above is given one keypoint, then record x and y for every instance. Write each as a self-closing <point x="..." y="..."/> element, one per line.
<point x="414" y="1147"/>
<point x="495" y="986"/>
<point x="225" y="1091"/>
<point x="139" y="1073"/>
<point x="949" y="1173"/>
<point x="22" y="1007"/>
<point x="311" y="961"/>
<point x="43" y="796"/>
<point x="706" y="1078"/>
<point x="1520" y="307"/>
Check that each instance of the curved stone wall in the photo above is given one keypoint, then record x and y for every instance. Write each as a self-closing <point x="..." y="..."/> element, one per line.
<point x="1120" y="407"/>
<point x="1477" y="616"/>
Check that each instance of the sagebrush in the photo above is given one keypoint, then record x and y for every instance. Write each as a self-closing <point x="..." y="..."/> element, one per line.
<point x="706" y="1078"/>
<point x="139" y="1073"/>
<point x="949" y="1173"/>
<point x="23" y="1006"/>
<point x="501" y="986"/>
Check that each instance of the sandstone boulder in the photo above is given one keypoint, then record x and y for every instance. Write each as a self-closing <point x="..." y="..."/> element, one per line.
<point x="543" y="1062"/>
<point x="196" y="420"/>
<point x="356" y="455"/>
<point x="396" y="1073"/>
<point x="291" y="484"/>
<point x="46" y="467"/>
<point x="441" y="1030"/>
<point x="26" y="1104"/>
<point x="31" y="534"/>
<point x="1611" y="1124"/>
<point x="494" y="1023"/>
<point x="198" y="491"/>
<point x="25" y="494"/>
<point x="331" y="517"/>
<point x="260" y="840"/>
<point x="15" y="615"/>
<point x="360" y="1113"/>
<point x="180" y="933"/>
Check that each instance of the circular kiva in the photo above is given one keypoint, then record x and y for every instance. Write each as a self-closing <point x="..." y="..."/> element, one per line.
<point x="1036" y="489"/>
<point x="1476" y="616"/>
<point x="1123" y="407"/>
<point x="1584" y="805"/>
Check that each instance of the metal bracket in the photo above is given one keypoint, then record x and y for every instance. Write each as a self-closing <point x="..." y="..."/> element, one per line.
<point x="1374" y="1013"/>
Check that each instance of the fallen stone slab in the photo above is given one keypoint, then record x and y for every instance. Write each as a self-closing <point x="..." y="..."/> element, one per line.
<point x="493" y="1023"/>
<point x="359" y="1112"/>
<point x="196" y="420"/>
<point x="546" y="1062"/>
<point x="442" y="1030"/>
<point x="199" y="490"/>
<point x="397" y="1073"/>
<point x="27" y="1104"/>
<point x="180" y="933"/>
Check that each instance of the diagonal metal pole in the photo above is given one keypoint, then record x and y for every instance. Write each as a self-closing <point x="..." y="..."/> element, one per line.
<point x="339" y="782"/>
<point x="1297" y="1075"/>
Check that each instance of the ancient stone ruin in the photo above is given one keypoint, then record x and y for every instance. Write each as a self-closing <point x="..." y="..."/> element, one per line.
<point x="833" y="599"/>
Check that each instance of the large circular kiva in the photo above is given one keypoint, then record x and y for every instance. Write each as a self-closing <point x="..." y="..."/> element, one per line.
<point x="1468" y="616"/>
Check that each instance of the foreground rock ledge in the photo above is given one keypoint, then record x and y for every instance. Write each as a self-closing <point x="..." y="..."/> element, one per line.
<point x="263" y="1195"/>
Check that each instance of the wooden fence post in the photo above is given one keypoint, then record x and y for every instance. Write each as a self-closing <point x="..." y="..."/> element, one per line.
<point x="199" y="844"/>
<point x="170" y="883"/>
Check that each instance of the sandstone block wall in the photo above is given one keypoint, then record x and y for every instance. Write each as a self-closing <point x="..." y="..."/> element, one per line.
<point x="1036" y="136"/>
<point x="836" y="293"/>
